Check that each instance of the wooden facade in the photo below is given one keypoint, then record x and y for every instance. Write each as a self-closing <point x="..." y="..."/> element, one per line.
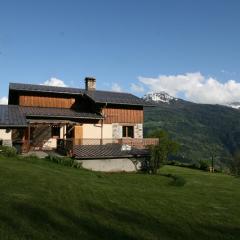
<point x="112" y="114"/>
<point x="78" y="134"/>
<point x="46" y="101"/>
<point x="123" y="115"/>
<point x="77" y="117"/>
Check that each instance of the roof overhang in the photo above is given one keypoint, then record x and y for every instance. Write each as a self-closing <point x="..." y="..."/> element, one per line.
<point x="50" y="121"/>
<point x="61" y="117"/>
<point x="12" y="126"/>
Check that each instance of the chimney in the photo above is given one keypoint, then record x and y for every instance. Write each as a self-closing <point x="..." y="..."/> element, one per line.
<point x="90" y="83"/>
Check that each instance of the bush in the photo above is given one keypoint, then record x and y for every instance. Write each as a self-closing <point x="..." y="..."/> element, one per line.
<point x="160" y="153"/>
<point x="65" y="161"/>
<point x="177" y="180"/>
<point x="203" y="165"/>
<point x="235" y="164"/>
<point x="8" y="151"/>
<point x="32" y="158"/>
<point x="187" y="165"/>
<point x="197" y="165"/>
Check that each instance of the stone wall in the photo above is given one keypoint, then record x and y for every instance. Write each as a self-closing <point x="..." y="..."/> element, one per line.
<point x="109" y="165"/>
<point x="117" y="130"/>
<point x="138" y="131"/>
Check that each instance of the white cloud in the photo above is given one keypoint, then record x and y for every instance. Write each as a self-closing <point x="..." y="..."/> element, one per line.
<point x="195" y="87"/>
<point x="55" y="82"/>
<point x="4" y="100"/>
<point x="116" y="87"/>
<point x="137" y="88"/>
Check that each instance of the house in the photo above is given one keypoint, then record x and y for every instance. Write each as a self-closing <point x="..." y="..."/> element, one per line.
<point x="87" y="123"/>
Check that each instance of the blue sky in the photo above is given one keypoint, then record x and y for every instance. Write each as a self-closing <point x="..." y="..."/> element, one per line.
<point x="135" y="46"/>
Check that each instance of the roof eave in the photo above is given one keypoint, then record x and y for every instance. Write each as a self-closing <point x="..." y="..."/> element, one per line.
<point x="63" y="117"/>
<point x="45" y="91"/>
<point x="126" y="104"/>
<point x="12" y="126"/>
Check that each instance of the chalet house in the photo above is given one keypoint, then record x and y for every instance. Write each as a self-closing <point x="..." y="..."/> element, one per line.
<point x="41" y="117"/>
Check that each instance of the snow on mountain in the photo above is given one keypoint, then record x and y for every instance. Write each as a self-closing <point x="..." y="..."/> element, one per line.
<point x="235" y="105"/>
<point x="163" y="97"/>
<point x="159" y="97"/>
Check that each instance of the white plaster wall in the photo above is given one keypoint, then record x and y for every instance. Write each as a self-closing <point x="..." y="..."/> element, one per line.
<point x="107" y="131"/>
<point x="62" y="131"/>
<point x="50" y="144"/>
<point x="94" y="131"/>
<point x="109" y="165"/>
<point x="5" y="134"/>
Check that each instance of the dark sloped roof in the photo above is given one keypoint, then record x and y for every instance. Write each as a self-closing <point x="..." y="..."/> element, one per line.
<point x="115" y="98"/>
<point x="12" y="116"/>
<point x="97" y="96"/>
<point x="43" y="88"/>
<point x="64" y="113"/>
<point x="16" y="116"/>
<point x="106" y="151"/>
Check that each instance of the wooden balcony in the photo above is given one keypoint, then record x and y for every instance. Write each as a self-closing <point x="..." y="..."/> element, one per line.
<point x="68" y="146"/>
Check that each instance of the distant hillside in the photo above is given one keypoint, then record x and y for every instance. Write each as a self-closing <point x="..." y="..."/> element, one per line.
<point x="202" y="129"/>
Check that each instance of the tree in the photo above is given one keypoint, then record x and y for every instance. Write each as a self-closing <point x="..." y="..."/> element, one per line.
<point x="235" y="165"/>
<point x="160" y="152"/>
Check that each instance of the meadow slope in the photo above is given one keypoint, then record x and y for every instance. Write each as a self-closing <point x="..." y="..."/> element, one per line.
<point x="43" y="200"/>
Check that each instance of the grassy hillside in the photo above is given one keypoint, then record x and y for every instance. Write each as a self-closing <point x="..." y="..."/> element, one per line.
<point x="42" y="200"/>
<point x="201" y="129"/>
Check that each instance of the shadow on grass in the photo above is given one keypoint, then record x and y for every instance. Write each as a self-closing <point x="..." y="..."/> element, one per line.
<point x="97" y="222"/>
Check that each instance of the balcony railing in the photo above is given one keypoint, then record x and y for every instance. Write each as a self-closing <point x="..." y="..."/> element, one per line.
<point x="65" y="146"/>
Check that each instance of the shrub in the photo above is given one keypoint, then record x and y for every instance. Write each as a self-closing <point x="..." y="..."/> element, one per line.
<point x="176" y="180"/>
<point x="30" y="158"/>
<point x="160" y="153"/>
<point x="203" y="165"/>
<point x="8" y="151"/>
<point x="65" y="161"/>
<point x="235" y="164"/>
<point x="187" y="165"/>
<point x="77" y="164"/>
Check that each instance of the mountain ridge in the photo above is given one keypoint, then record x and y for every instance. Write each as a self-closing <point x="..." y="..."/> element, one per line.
<point x="202" y="130"/>
<point x="164" y="97"/>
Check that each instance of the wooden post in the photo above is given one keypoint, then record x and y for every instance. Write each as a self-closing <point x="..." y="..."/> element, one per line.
<point x="212" y="167"/>
<point x="64" y="131"/>
<point x="78" y="134"/>
<point x="101" y="143"/>
<point x="29" y="136"/>
<point x="102" y="123"/>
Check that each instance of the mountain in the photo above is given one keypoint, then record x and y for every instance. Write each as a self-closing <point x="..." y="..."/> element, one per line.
<point x="203" y="130"/>
<point x="159" y="97"/>
<point x="164" y="97"/>
<point x="235" y="105"/>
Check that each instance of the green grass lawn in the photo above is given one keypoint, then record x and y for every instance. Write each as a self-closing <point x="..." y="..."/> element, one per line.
<point x="43" y="200"/>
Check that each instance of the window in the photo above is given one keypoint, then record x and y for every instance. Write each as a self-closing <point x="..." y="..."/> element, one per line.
<point x="128" y="131"/>
<point x="55" y="132"/>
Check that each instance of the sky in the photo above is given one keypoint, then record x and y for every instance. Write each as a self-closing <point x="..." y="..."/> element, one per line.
<point x="187" y="48"/>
